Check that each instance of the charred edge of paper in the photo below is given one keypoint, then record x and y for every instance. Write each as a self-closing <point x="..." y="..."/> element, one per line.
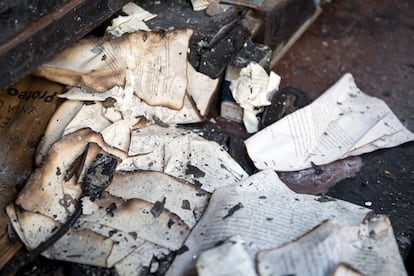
<point x="75" y="168"/>
<point x="193" y="170"/>
<point x="233" y="209"/>
<point x="158" y="208"/>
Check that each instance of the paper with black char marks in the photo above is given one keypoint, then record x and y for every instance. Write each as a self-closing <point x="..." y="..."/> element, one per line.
<point x="266" y="215"/>
<point x="342" y="122"/>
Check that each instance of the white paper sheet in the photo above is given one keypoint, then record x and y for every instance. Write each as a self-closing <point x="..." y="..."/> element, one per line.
<point x="252" y="90"/>
<point x="158" y="62"/>
<point x="369" y="248"/>
<point x="183" y="154"/>
<point x="340" y="123"/>
<point x="134" y="21"/>
<point x="196" y="101"/>
<point x="265" y="213"/>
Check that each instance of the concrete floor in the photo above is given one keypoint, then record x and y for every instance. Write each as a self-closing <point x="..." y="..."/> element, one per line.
<point x="371" y="39"/>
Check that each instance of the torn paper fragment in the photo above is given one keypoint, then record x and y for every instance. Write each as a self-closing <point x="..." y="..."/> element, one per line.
<point x="52" y="189"/>
<point x="252" y="90"/>
<point x="342" y="122"/>
<point x="122" y="103"/>
<point x="158" y="62"/>
<point x="183" y="154"/>
<point x="369" y="248"/>
<point x="134" y="21"/>
<point x="86" y="243"/>
<point x="230" y="258"/>
<point x="199" y="5"/>
<point x="262" y="210"/>
<point x="201" y="88"/>
<point x="182" y="198"/>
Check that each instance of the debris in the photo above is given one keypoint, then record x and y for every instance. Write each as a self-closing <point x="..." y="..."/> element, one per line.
<point x="130" y="190"/>
<point x="342" y="122"/>
<point x="116" y="220"/>
<point x="278" y="24"/>
<point x="369" y="248"/>
<point x="134" y="21"/>
<point x="368" y="203"/>
<point x="216" y="39"/>
<point x="284" y="102"/>
<point x="158" y="62"/>
<point x="308" y="182"/>
<point x="252" y="90"/>
<point x="153" y="186"/>
<point x="177" y="152"/>
<point x="263" y="196"/>
<point x="261" y="54"/>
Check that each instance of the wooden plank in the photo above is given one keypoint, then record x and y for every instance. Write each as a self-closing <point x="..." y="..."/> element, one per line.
<point x="49" y="35"/>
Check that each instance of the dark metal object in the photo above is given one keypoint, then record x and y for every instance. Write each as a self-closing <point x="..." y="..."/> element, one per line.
<point x="42" y="39"/>
<point x="284" y="102"/>
<point x="216" y="39"/>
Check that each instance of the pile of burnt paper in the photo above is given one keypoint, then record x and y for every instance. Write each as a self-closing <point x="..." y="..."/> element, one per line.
<point x="144" y="188"/>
